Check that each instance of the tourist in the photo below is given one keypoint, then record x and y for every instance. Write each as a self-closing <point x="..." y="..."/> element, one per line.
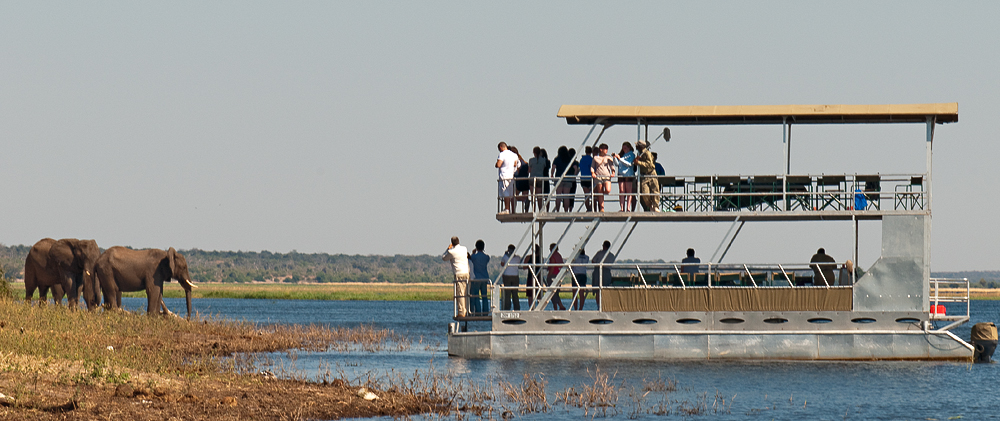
<point x="480" y="279"/>
<point x="659" y="168"/>
<point x="459" y="257"/>
<point x="626" y="177"/>
<point x="507" y="164"/>
<point x="560" y="165"/>
<point x="650" y="185"/>
<point x="511" y="280"/>
<point x="602" y="275"/>
<point x="603" y="170"/>
<point x="847" y="274"/>
<point x="570" y="201"/>
<point x="580" y="279"/>
<point x="690" y="266"/>
<point x="539" y="185"/>
<point x="522" y="182"/>
<point x="585" y="180"/>
<point x="534" y="273"/>
<point x="555" y="262"/>
<point x="823" y="274"/>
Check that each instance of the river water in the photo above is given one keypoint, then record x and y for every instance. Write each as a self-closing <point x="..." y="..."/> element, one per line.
<point x="791" y="390"/>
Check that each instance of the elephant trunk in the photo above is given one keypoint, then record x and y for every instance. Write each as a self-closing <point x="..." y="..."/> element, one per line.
<point x="188" y="286"/>
<point x="187" y="295"/>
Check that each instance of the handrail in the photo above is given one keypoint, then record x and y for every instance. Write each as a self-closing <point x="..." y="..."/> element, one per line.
<point x="735" y="193"/>
<point x="936" y="298"/>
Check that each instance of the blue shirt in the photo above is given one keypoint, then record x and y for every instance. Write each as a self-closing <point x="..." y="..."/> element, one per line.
<point x="479" y="261"/>
<point x="625" y="164"/>
<point x="691" y="268"/>
<point x="585" y="165"/>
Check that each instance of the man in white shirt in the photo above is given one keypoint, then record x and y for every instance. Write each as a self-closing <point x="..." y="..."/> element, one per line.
<point x="511" y="280"/>
<point x="459" y="257"/>
<point x="507" y="164"/>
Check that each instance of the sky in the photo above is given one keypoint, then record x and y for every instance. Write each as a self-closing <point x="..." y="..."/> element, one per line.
<point x="371" y="127"/>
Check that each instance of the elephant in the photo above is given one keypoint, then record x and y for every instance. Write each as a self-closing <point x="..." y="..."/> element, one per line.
<point x="121" y="269"/>
<point x="65" y="266"/>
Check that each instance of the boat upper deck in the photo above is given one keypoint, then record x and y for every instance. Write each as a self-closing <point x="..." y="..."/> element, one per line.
<point x="727" y="198"/>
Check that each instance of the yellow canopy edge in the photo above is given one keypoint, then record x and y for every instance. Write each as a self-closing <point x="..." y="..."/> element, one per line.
<point x="759" y="114"/>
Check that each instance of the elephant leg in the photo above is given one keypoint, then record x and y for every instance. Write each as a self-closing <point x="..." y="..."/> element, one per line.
<point x="43" y="294"/>
<point x="57" y="294"/>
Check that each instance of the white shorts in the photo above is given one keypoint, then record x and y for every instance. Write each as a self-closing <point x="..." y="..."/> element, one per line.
<point x="506" y="187"/>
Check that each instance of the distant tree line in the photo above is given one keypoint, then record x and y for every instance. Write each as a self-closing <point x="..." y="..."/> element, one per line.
<point x="265" y="266"/>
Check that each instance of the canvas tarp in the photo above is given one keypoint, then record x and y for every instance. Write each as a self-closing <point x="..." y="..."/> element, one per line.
<point x="727" y="299"/>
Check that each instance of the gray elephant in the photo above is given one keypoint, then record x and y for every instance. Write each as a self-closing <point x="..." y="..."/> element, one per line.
<point x="121" y="269"/>
<point x="65" y="266"/>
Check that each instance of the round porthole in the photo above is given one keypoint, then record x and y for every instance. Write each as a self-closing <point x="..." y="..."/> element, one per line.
<point x="820" y="320"/>
<point x="776" y="320"/>
<point x="863" y="320"/>
<point x="907" y="320"/>
<point x="644" y="321"/>
<point x="601" y="322"/>
<point x="513" y="322"/>
<point x="688" y="321"/>
<point x="557" y="321"/>
<point x="731" y="321"/>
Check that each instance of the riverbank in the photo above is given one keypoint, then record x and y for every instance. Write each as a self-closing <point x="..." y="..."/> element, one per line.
<point x="62" y="364"/>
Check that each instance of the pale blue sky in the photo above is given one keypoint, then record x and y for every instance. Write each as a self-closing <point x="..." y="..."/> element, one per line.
<point x="370" y="127"/>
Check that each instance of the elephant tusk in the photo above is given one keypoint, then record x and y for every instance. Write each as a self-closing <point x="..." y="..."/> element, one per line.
<point x="192" y="284"/>
<point x="86" y="272"/>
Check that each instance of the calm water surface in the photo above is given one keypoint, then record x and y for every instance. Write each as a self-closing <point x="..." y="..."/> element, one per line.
<point x="762" y="390"/>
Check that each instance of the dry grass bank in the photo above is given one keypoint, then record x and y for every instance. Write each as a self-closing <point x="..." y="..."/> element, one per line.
<point x="62" y="364"/>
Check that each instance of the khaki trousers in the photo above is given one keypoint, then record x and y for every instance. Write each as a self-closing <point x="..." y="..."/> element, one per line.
<point x="462" y="294"/>
<point x="649" y="194"/>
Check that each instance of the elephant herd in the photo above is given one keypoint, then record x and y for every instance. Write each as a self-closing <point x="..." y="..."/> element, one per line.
<point x="69" y="265"/>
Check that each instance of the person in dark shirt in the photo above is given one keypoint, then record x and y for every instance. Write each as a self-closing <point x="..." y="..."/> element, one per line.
<point x="823" y="274"/>
<point x="690" y="268"/>
<point x="480" y="301"/>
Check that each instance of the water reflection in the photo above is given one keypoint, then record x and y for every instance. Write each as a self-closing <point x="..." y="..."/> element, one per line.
<point x="787" y="390"/>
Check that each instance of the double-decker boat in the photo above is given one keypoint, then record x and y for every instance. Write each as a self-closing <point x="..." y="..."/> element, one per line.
<point x="713" y="310"/>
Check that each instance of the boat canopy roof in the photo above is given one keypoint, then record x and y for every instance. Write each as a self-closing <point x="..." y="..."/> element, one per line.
<point x="758" y="114"/>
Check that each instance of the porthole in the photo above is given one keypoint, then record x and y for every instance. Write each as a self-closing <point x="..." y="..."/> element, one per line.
<point x="688" y="321"/>
<point x="557" y="321"/>
<point x="776" y="320"/>
<point x="820" y="320"/>
<point x="863" y="320"/>
<point x="513" y="322"/>
<point x="601" y="322"/>
<point x="731" y="321"/>
<point x="907" y="320"/>
<point x="644" y="321"/>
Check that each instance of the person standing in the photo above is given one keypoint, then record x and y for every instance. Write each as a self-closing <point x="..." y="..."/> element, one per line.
<point x="823" y="274"/>
<point x="534" y="273"/>
<point x="580" y="279"/>
<point x="602" y="275"/>
<point x="555" y="259"/>
<point x="522" y="183"/>
<point x="626" y="177"/>
<point x="560" y="165"/>
<point x="585" y="180"/>
<point x="603" y="170"/>
<point x="458" y="255"/>
<point x="507" y="164"/>
<point x="650" y="185"/>
<point x="538" y="165"/>
<point x="480" y="279"/>
<point x="511" y="280"/>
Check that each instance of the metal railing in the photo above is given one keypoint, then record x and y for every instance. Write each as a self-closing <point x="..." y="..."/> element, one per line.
<point x="955" y="290"/>
<point x="718" y="193"/>
<point x="668" y="275"/>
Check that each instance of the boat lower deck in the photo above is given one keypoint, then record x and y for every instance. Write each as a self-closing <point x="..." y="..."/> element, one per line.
<point x="804" y="335"/>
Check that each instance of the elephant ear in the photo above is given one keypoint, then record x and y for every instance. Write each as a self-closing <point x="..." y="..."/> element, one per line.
<point x="171" y="254"/>
<point x="61" y="253"/>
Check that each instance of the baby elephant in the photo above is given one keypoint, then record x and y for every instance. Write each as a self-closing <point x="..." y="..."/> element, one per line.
<point x="120" y="269"/>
